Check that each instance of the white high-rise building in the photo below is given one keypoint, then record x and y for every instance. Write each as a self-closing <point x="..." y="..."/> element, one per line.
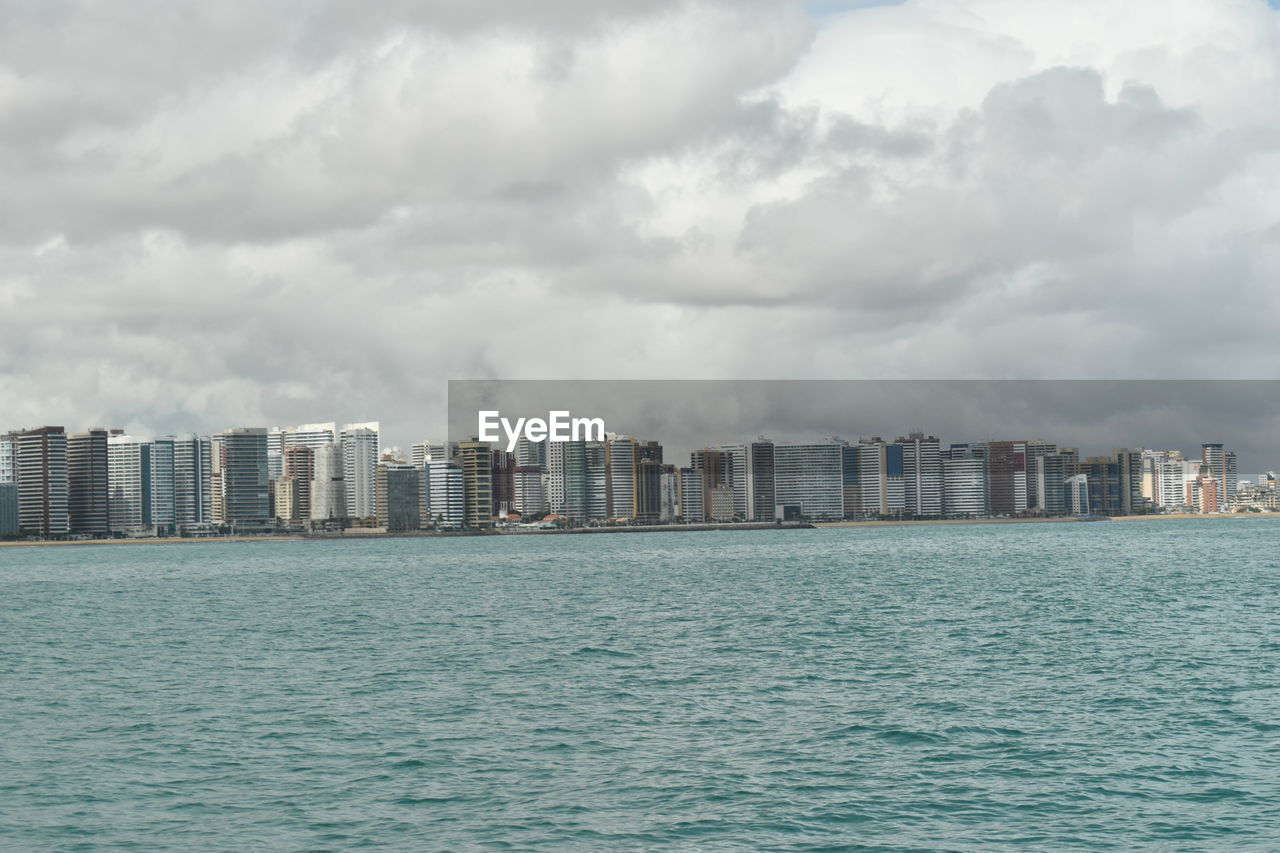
<point x="445" y="496"/>
<point x="8" y="473"/>
<point x="361" y="444"/>
<point x="275" y="453"/>
<point x="964" y="484"/>
<point x="328" y="484"/>
<point x="1078" y="494"/>
<point x="432" y="451"/>
<point x="880" y="477"/>
<point x="810" y="476"/>
<point x="921" y="475"/>
<point x="620" y="483"/>
<point x="129" y="484"/>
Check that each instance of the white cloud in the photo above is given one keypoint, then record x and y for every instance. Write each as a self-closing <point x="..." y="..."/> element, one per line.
<point x="282" y="212"/>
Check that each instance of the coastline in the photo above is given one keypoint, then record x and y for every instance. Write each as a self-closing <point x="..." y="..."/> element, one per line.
<point x="657" y="528"/>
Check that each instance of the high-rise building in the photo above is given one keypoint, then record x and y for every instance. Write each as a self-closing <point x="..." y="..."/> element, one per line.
<point x="328" y="484"/>
<point x="240" y="463"/>
<point x="620" y="477"/>
<point x="399" y="497"/>
<point x="1051" y="472"/>
<point x="8" y="509"/>
<point x="597" y="480"/>
<point x="1232" y="479"/>
<point x="1077" y="494"/>
<point x="164" y="505"/>
<point x="648" y="500"/>
<point x="361" y="444"/>
<point x="192" y="481"/>
<point x="921" y="475"/>
<point x="433" y="450"/>
<point x="964" y="483"/>
<point x="760" y="483"/>
<point x="736" y="476"/>
<point x="567" y="491"/>
<point x="880" y="478"/>
<point x="475" y="458"/>
<point x="1036" y="448"/>
<point x="129" y="472"/>
<point x="275" y="453"/>
<point x="1129" y="467"/>
<point x="87" y="491"/>
<point x="40" y="470"/>
<point x="446" y="498"/>
<point x="7" y="471"/>
<point x="1007" y="477"/>
<point x="504" y="482"/>
<point x="530" y="499"/>
<point x="289" y="493"/>
<point x="692" y="509"/>
<point x="299" y="464"/>
<point x="669" y="497"/>
<point x="811" y="477"/>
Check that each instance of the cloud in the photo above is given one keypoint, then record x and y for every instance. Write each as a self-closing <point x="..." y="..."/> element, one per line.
<point x="287" y="212"/>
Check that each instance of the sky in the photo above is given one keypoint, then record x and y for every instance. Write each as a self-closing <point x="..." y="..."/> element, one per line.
<point x="280" y="212"/>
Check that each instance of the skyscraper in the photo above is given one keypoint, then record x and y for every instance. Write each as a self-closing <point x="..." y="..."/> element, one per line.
<point x="964" y="483"/>
<point x="129" y="473"/>
<point x="299" y="464"/>
<point x="9" y="509"/>
<point x="760" y="489"/>
<point x="811" y="477"/>
<point x="164" y="485"/>
<point x="921" y="475"/>
<point x="40" y="468"/>
<point x="8" y="473"/>
<point x="399" y="497"/>
<point x="1007" y="477"/>
<point x="475" y="459"/>
<point x="192" y="481"/>
<point x="361" y="444"/>
<point x="87" y="492"/>
<point x="446" y="499"/>
<point x="241" y="465"/>
<point x="620" y="477"/>
<point x="328" y="484"/>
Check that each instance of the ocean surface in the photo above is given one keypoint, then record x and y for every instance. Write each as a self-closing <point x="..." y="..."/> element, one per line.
<point x="1058" y="687"/>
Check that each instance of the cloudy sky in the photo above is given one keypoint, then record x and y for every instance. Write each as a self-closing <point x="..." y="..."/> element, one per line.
<point x="283" y="211"/>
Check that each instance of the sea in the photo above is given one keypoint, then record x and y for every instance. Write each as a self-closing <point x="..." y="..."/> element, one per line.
<point x="1049" y="687"/>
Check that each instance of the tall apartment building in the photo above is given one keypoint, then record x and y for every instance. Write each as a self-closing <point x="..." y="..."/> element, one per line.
<point x="964" y="483"/>
<point x="736" y="475"/>
<point x="921" y="475"/>
<point x="475" y="460"/>
<point x="811" y="477"/>
<point x="129" y="473"/>
<point x="567" y="491"/>
<point x="620" y="477"/>
<point x="164" y="499"/>
<point x="433" y="450"/>
<point x="1051" y="473"/>
<point x="445" y="496"/>
<point x="1036" y="448"/>
<point x="1077" y="495"/>
<point x="692" y="509"/>
<point x="648" y="499"/>
<point x="87" y="490"/>
<point x="8" y="509"/>
<point x="597" y="481"/>
<point x="240" y="464"/>
<point x="299" y="465"/>
<point x="192" y="481"/>
<point x="527" y="489"/>
<point x="40" y="470"/>
<point x="328" y="484"/>
<point x="503" y="477"/>
<point x="669" y="496"/>
<point x="361" y="445"/>
<point x="7" y="471"/>
<point x="880" y="478"/>
<point x="399" y="497"/>
<point x="760" y="483"/>
<point x="1007" y="477"/>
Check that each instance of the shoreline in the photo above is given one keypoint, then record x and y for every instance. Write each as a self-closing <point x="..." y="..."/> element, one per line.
<point x="656" y="528"/>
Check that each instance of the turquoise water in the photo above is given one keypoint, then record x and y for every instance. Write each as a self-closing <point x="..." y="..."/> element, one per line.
<point x="977" y="688"/>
